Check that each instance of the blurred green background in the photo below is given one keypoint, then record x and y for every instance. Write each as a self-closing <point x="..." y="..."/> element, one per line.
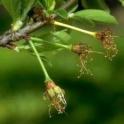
<point x="97" y="99"/>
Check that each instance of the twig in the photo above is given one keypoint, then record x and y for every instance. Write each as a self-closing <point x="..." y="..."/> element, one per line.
<point x="7" y="37"/>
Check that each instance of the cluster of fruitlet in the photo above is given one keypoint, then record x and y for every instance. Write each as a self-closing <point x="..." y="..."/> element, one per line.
<point x="37" y="16"/>
<point x="53" y="92"/>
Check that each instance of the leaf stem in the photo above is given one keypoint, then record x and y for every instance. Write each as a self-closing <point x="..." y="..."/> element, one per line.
<point x="47" y="77"/>
<point x="63" y="46"/>
<point x="74" y="28"/>
<point x="56" y="44"/>
<point x="97" y="52"/>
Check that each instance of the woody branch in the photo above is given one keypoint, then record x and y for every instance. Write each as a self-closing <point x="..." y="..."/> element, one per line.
<point x="7" y="38"/>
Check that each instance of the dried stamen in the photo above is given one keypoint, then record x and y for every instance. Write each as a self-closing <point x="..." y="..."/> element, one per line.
<point x="108" y="43"/>
<point x="82" y="50"/>
<point x="56" y="96"/>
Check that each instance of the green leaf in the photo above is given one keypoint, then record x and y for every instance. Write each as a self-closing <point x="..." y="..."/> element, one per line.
<point x="122" y="2"/>
<point x="18" y="9"/>
<point x="13" y="7"/>
<point x="73" y="9"/>
<point x="49" y="5"/>
<point x="62" y="36"/>
<point x="62" y="13"/>
<point x="95" y="15"/>
<point x="26" y="6"/>
<point x="49" y="41"/>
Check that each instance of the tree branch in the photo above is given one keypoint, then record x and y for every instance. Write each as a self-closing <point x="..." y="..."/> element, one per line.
<point x="7" y="37"/>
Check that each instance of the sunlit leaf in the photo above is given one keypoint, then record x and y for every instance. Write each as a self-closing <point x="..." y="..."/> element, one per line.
<point x="95" y="15"/>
